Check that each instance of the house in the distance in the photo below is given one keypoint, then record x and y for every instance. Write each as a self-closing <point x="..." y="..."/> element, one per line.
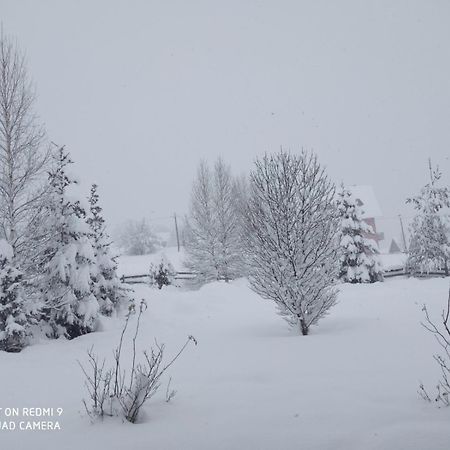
<point x="365" y="198"/>
<point x="394" y="247"/>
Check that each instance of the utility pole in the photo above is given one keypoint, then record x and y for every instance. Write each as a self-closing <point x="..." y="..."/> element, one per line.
<point x="403" y="233"/>
<point x="176" y="230"/>
<point x="430" y="169"/>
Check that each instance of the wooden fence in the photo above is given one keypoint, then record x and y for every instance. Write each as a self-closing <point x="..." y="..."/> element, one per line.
<point x="402" y="272"/>
<point x="143" y="279"/>
<point x="186" y="276"/>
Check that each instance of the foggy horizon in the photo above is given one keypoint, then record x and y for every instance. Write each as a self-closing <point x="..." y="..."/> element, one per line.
<point x="140" y="92"/>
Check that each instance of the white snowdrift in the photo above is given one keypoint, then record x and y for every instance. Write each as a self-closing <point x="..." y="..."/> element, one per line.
<point x="251" y="383"/>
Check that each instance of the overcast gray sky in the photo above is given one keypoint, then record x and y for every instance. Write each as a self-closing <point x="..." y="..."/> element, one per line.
<point x="139" y="91"/>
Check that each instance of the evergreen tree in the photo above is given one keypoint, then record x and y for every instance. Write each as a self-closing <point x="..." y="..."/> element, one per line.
<point x="107" y="286"/>
<point x="359" y="260"/>
<point x="429" y="247"/>
<point x="70" y="307"/>
<point x="15" y="313"/>
<point x="162" y="274"/>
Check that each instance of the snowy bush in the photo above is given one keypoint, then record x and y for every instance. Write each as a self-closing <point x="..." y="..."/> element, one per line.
<point x="442" y="334"/>
<point x="291" y="244"/>
<point x="162" y="274"/>
<point x="429" y="247"/>
<point x="116" y="391"/>
<point x="212" y="231"/>
<point x="359" y="254"/>
<point x="137" y="238"/>
<point x="15" y="316"/>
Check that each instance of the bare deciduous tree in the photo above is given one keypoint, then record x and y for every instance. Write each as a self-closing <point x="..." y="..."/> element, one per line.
<point x="292" y="236"/>
<point x="22" y="158"/>
<point x="212" y="232"/>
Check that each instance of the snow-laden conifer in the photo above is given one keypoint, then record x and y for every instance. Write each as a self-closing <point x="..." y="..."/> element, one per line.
<point x="291" y="238"/>
<point x="359" y="256"/>
<point x="70" y="306"/>
<point x="107" y="286"/>
<point x="15" y="311"/>
<point x="429" y="247"/>
<point x="162" y="274"/>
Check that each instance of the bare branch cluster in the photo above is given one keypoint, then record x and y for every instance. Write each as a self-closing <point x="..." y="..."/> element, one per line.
<point x="114" y="392"/>
<point x="442" y="334"/>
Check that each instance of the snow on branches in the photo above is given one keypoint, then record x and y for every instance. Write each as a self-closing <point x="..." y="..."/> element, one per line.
<point x="291" y="236"/>
<point x="107" y="287"/>
<point x="359" y="259"/>
<point x="70" y="304"/>
<point x="429" y="247"/>
<point x="15" y="310"/>
<point x="212" y="228"/>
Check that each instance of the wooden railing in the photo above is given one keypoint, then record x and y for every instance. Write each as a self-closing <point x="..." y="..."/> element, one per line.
<point x="143" y="279"/>
<point x="397" y="272"/>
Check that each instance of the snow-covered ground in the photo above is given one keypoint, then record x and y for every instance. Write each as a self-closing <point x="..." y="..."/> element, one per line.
<point x="392" y="261"/>
<point x="251" y="383"/>
<point x="139" y="265"/>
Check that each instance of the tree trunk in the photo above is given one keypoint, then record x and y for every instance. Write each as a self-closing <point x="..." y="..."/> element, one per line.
<point x="303" y="327"/>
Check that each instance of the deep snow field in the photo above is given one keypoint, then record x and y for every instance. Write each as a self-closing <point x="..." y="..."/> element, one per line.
<point x="251" y="383"/>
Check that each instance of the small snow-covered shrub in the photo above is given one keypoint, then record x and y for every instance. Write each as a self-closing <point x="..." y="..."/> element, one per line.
<point x="115" y="391"/>
<point x="442" y="334"/>
<point x="162" y="274"/>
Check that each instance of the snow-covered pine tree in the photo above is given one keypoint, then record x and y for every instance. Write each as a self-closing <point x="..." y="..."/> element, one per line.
<point x="70" y="306"/>
<point x="429" y="247"/>
<point x="211" y="232"/>
<point x="107" y="286"/>
<point x="162" y="274"/>
<point x="15" y="312"/>
<point x="359" y="256"/>
<point x="291" y="239"/>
